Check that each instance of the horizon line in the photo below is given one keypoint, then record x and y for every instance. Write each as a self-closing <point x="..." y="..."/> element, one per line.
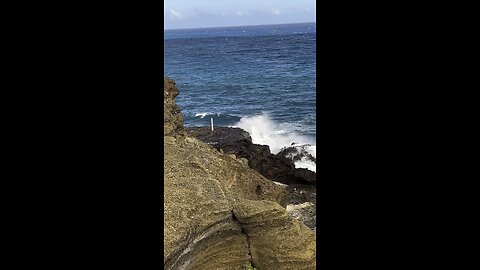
<point x="209" y="27"/>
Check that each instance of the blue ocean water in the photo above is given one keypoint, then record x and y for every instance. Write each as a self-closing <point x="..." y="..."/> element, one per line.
<point x="260" y="78"/>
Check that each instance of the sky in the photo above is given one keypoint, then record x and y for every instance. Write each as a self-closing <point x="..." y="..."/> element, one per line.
<point x="179" y="14"/>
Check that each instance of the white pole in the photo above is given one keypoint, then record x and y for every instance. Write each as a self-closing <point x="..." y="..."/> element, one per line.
<point x="211" y="120"/>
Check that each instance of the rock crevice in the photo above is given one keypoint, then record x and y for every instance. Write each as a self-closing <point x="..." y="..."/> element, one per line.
<point x="250" y="258"/>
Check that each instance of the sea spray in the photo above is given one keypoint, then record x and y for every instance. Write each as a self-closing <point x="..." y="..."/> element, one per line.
<point x="264" y="131"/>
<point x="306" y="164"/>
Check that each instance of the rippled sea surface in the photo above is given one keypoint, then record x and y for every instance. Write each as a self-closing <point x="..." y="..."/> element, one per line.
<point x="261" y="78"/>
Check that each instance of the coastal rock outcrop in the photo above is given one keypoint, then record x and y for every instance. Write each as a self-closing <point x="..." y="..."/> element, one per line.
<point x="279" y="167"/>
<point x="297" y="153"/>
<point x="172" y="117"/>
<point x="300" y="183"/>
<point x="219" y="213"/>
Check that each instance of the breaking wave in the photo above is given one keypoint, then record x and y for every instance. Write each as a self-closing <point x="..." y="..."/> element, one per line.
<point x="265" y="131"/>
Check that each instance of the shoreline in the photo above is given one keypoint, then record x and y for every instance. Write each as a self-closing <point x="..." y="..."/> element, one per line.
<point x="300" y="183"/>
<point x="220" y="213"/>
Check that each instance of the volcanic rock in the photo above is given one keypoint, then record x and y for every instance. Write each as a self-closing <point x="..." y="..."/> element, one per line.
<point x="278" y="168"/>
<point x="297" y="153"/>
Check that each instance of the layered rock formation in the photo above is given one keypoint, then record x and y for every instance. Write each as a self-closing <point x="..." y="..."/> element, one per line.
<point x="219" y="213"/>
<point x="300" y="183"/>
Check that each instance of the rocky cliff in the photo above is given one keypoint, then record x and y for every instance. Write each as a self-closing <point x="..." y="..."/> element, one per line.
<point x="221" y="214"/>
<point x="172" y="118"/>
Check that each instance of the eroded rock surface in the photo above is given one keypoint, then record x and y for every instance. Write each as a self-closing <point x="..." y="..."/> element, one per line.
<point x="279" y="168"/>
<point x="300" y="183"/>
<point x="220" y="213"/>
<point x="301" y="204"/>
<point x="172" y="117"/>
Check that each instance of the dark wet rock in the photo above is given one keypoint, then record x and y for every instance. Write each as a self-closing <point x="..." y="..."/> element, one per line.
<point x="230" y="140"/>
<point x="297" y="153"/>
<point x="238" y="142"/>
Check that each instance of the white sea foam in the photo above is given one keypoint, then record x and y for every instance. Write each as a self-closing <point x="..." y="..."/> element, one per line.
<point x="307" y="164"/>
<point x="202" y="115"/>
<point x="265" y="131"/>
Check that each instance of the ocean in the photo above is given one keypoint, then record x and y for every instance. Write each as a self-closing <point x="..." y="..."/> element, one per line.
<point x="259" y="78"/>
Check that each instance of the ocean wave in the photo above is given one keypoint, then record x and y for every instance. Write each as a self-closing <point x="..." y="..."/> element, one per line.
<point x="306" y="164"/>
<point x="201" y="115"/>
<point x="277" y="136"/>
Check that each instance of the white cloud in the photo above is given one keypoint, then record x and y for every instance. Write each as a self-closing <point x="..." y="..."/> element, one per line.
<point x="275" y="11"/>
<point x="224" y="13"/>
<point x="239" y="13"/>
<point x="204" y="13"/>
<point x="175" y="15"/>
